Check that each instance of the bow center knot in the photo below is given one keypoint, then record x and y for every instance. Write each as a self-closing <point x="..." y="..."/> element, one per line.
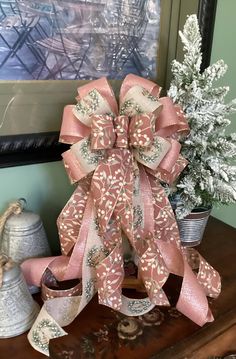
<point x="122" y="131"/>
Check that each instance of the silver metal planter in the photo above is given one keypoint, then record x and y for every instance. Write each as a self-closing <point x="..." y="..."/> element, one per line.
<point x="192" y="227"/>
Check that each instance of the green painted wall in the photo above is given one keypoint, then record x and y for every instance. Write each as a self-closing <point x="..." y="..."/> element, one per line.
<point x="45" y="187"/>
<point x="224" y="48"/>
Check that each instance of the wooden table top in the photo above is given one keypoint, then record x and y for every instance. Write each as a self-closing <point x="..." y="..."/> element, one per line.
<point x="99" y="332"/>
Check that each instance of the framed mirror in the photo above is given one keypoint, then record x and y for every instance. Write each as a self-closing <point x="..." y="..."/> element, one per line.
<point x="48" y="49"/>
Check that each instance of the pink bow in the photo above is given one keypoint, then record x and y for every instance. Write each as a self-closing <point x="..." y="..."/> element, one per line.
<point x="119" y="161"/>
<point x="126" y="153"/>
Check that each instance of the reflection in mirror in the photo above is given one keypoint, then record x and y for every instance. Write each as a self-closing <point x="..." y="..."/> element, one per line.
<point x="76" y="39"/>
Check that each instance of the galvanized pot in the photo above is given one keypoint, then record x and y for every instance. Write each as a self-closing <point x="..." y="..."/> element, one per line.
<point x="192" y="227"/>
<point x="18" y="310"/>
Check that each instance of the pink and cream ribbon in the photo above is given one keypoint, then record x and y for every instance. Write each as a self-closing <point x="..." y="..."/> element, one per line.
<point x="119" y="160"/>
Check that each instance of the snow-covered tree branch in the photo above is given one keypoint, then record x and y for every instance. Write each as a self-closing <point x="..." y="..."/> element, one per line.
<point x="210" y="176"/>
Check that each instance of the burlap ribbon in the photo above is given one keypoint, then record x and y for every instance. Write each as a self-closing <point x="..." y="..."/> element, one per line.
<point x="120" y="161"/>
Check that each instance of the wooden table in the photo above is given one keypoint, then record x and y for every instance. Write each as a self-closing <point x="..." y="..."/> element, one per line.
<point x="101" y="333"/>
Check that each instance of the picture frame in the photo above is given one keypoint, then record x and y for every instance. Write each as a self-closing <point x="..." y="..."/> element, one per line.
<point x="34" y="108"/>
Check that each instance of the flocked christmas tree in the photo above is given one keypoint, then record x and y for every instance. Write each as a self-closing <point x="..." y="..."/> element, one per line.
<point x="210" y="176"/>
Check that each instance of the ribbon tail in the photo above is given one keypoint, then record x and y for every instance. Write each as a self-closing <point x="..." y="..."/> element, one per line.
<point x="124" y="206"/>
<point x="207" y="276"/>
<point x="154" y="274"/>
<point x="147" y="199"/>
<point x="110" y="274"/>
<point x="71" y="217"/>
<point x="192" y="300"/>
<point x="108" y="184"/>
<point x="34" y="268"/>
<point x="74" y="267"/>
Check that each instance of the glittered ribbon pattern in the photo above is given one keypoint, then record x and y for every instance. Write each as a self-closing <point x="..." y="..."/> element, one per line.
<point x="119" y="161"/>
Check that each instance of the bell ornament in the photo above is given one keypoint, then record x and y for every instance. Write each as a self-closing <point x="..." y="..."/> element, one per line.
<point x="18" y="310"/>
<point x="23" y="236"/>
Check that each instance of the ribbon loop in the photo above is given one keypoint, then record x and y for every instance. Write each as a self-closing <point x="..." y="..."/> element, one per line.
<point x="102" y="132"/>
<point x="105" y="91"/>
<point x="121" y="124"/>
<point x="138" y="100"/>
<point x="141" y="129"/>
<point x="134" y="80"/>
<point x="72" y="130"/>
<point x="80" y="160"/>
<point x="92" y="103"/>
<point x="152" y="156"/>
<point x="171" y="119"/>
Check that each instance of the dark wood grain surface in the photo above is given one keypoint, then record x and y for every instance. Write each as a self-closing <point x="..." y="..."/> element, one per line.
<point x="97" y="331"/>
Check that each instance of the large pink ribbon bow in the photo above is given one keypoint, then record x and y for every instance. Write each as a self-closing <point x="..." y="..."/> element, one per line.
<point x="120" y="161"/>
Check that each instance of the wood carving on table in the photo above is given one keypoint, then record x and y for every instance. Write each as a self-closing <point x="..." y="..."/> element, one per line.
<point x="113" y="335"/>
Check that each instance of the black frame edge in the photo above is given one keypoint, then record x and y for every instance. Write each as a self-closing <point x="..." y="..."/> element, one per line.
<point x="18" y="150"/>
<point x="206" y="19"/>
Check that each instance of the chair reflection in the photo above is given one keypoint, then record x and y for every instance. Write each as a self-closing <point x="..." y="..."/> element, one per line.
<point x="18" y="31"/>
<point x="72" y="39"/>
